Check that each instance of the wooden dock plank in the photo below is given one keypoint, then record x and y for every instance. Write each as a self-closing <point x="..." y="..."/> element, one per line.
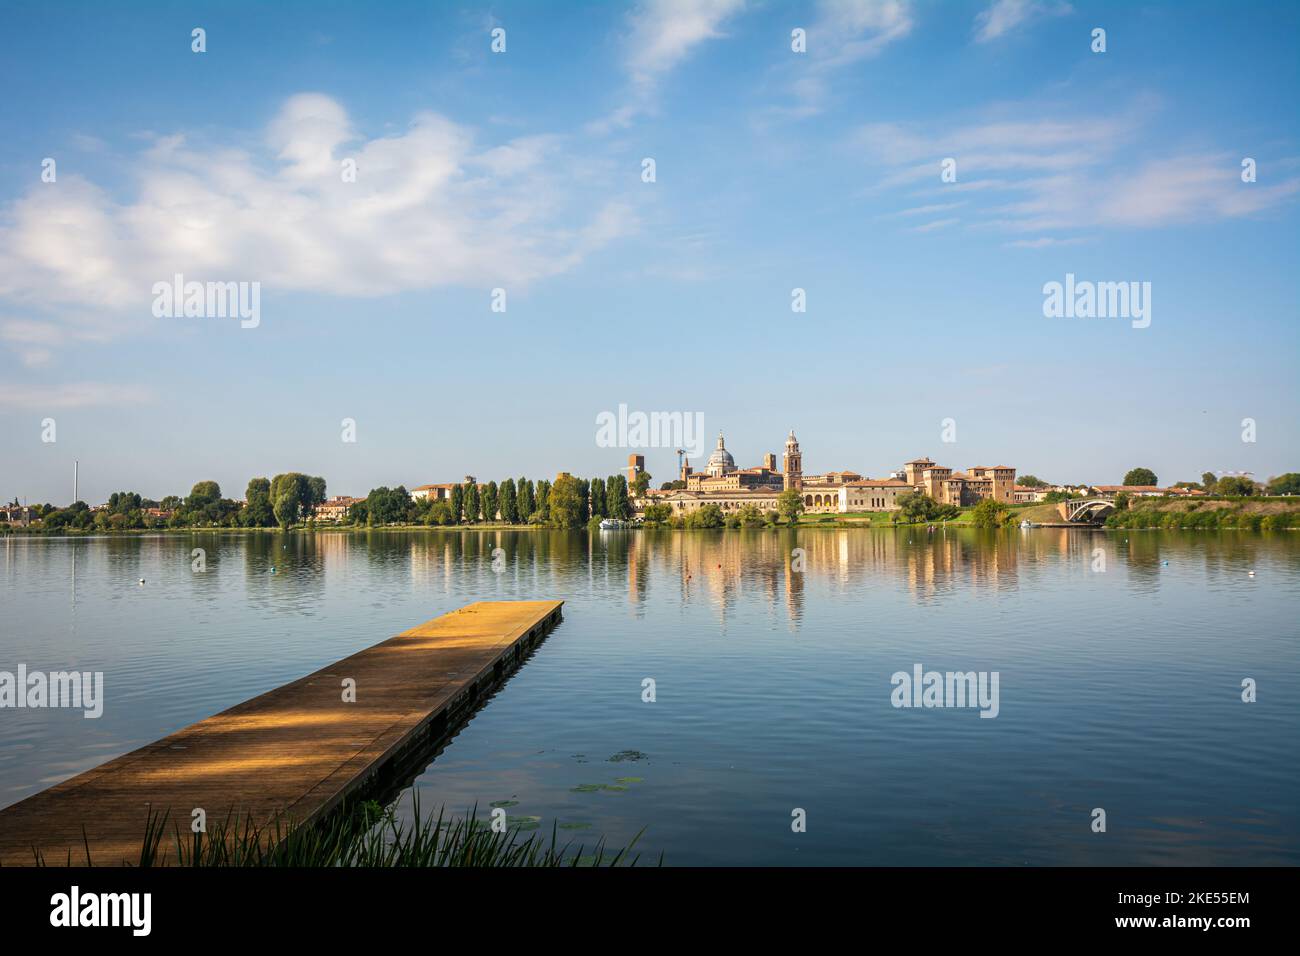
<point x="292" y="753"/>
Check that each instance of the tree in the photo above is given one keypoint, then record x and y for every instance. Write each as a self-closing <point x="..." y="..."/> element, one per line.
<point x="989" y="513"/>
<point x="1235" y="486"/>
<point x="657" y="515"/>
<point x="1031" y="481"/>
<point x="1288" y="484"/>
<point x="1141" y="476"/>
<point x="790" y="505"/>
<point x="457" y="503"/>
<point x="641" y="483"/>
<point x="584" y="501"/>
<point x="315" y="496"/>
<point x="749" y="517"/>
<point x="1208" y="480"/>
<point x="598" y="498"/>
<point x="1121" y="501"/>
<point x="705" y="516"/>
<point x="288" y="491"/>
<point x="386" y="505"/>
<point x="916" y="506"/>
<point x="258" y="511"/>
<point x="202" y="495"/>
<point x="471" y="502"/>
<point x="286" y="506"/>
<point x="439" y="513"/>
<point x="526" y="505"/>
<point x="542" y="500"/>
<point x="616" y="501"/>
<point x="489" y="501"/>
<point x="562" y="501"/>
<point x="506" y="502"/>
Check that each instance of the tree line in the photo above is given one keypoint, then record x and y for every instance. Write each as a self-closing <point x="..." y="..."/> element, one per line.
<point x="566" y="502"/>
<point x="282" y="501"/>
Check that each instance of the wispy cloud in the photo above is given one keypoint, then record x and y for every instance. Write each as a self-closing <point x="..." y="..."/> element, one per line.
<point x="1004" y="16"/>
<point x="72" y="395"/>
<point x="936" y="224"/>
<point x="662" y="33"/>
<point x="1046" y="174"/>
<point x="843" y="33"/>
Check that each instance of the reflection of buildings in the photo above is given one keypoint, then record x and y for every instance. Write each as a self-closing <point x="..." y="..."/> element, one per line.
<point x="731" y="488"/>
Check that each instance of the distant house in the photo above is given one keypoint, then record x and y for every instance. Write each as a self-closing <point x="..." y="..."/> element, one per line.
<point x="1021" y="494"/>
<point x="20" y="515"/>
<point x="439" y="492"/>
<point x="336" y="508"/>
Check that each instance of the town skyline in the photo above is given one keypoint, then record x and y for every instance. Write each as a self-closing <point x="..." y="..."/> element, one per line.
<point x="666" y="470"/>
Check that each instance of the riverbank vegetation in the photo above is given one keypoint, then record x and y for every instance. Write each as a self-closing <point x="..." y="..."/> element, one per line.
<point x="364" y="835"/>
<point x="295" y="500"/>
<point x="1248" y="513"/>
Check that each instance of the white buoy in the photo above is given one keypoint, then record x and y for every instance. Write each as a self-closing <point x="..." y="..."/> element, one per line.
<point x="142" y="580"/>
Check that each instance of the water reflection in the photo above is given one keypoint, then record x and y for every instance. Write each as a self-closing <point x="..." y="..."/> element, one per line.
<point x="772" y="650"/>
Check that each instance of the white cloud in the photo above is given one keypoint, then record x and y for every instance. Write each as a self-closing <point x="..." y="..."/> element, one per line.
<point x="429" y="208"/>
<point x="1006" y="15"/>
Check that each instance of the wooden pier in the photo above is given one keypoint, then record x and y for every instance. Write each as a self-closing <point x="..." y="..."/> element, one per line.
<point x="290" y="755"/>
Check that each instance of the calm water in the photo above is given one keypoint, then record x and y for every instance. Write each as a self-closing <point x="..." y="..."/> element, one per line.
<point x="1118" y="690"/>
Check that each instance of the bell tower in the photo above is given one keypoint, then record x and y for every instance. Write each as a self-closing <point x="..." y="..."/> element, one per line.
<point x="793" y="463"/>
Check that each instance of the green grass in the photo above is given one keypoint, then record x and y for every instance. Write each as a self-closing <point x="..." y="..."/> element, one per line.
<point x="368" y="835"/>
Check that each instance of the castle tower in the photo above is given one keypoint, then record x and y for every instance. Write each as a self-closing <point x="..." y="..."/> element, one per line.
<point x="635" y="465"/>
<point x="793" y="463"/>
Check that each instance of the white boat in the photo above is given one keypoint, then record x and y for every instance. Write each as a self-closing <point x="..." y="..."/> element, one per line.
<point x="613" y="524"/>
<point x="1027" y="524"/>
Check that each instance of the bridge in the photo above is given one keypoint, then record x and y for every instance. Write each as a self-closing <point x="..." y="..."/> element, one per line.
<point x="1088" y="511"/>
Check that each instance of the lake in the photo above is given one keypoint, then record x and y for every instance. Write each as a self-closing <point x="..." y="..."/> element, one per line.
<point x="1119" y="656"/>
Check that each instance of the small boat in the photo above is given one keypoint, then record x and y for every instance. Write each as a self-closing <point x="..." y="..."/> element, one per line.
<point x="1027" y="524"/>
<point x="613" y="524"/>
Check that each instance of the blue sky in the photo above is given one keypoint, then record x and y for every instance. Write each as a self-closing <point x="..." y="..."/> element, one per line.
<point x="522" y="170"/>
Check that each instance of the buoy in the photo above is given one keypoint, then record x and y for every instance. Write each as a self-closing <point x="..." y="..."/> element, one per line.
<point x="142" y="580"/>
<point x="1251" y="573"/>
<point x="1165" y="563"/>
<point x="273" y="569"/>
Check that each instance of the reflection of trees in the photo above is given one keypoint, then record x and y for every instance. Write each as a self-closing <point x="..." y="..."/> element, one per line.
<point x="296" y="558"/>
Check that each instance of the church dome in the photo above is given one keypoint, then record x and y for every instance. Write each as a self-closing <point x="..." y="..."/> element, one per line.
<point x="721" y="460"/>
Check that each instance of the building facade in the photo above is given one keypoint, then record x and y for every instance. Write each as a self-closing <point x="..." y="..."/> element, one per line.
<point x="731" y="488"/>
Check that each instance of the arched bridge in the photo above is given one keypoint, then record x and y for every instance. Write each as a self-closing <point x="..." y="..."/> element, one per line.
<point x="1085" y="511"/>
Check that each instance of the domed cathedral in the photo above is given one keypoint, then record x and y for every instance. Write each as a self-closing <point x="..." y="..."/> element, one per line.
<point x="729" y="487"/>
<point x="720" y="462"/>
